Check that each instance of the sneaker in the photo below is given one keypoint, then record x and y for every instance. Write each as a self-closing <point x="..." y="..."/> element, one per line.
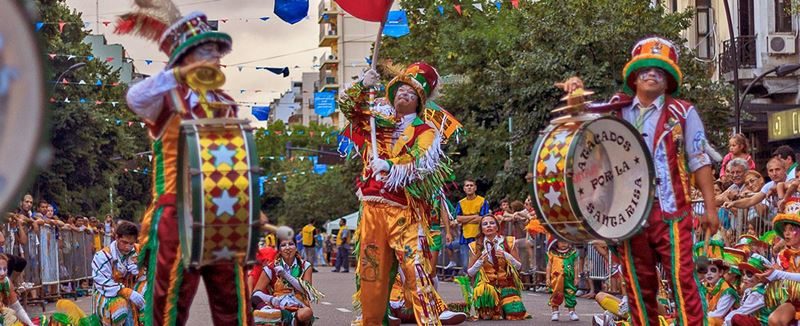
<point x="335" y="270"/>
<point x="394" y="321"/>
<point x="580" y="293"/>
<point x="623" y="306"/>
<point x="448" y="317"/>
<point x="598" y="320"/>
<point x="345" y="271"/>
<point x="555" y="316"/>
<point x="573" y="316"/>
<point x="450" y="265"/>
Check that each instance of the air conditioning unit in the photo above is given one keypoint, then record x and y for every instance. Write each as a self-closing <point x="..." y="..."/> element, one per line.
<point x="782" y="44"/>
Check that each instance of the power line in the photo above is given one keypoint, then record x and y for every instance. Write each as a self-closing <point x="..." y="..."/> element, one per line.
<point x="358" y="40"/>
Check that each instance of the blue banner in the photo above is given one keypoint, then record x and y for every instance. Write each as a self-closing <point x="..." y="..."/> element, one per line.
<point x="396" y="24"/>
<point x="291" y="11"/>
<point x="261" y="113"/>
<point x="320" y="168"/>
<point x="324" y="103"/>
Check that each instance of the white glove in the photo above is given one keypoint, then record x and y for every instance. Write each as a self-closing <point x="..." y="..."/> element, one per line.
<point x="132" y="269"/>
<point x="377" y="165"/>
<point x="371" y="78"/>
<point x="137" y="299"/>
<point x="279" y="270"/>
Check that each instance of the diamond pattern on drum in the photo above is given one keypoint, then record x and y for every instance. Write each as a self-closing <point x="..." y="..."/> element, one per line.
<point x="556" y="146"/>
<point x="225" y="230"/>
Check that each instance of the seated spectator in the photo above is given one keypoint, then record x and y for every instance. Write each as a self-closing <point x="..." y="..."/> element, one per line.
<point x="10" y="308"/>
<point x="737" y="168"/>
<point x="115" y="273"/>
<point x="284" y="292"/>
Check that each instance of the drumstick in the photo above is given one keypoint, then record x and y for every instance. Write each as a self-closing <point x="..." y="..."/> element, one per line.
<point x="702" y="261"/>
<point x="281" y="232"/>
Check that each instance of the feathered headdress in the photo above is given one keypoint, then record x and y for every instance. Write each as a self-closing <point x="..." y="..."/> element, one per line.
<point x="152" y="18"/>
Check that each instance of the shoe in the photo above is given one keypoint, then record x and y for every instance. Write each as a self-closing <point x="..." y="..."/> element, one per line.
<point x="573" y="316"/>
<point x="448" y="317"/>
<point x="555" y="316"/>
<point x="450" y="265"/>
<point x="598" y="320"/>
<point x="314" y="270"/>
<point x="347" y="271"/>
<point x="394" y="321"/>
<point x="335" y="270"/>
<point x="580" y="293"/>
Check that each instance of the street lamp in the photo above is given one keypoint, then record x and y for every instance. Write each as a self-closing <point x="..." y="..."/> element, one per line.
<point x="76" y="66"/>
<point x="780" y="71"/>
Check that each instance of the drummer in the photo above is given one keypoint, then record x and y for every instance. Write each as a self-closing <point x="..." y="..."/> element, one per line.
<point x="163" y="101"/>
<point x="674" y="133"/>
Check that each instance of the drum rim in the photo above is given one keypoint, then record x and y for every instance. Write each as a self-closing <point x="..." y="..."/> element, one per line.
<point x="568" y="172"/>
<point x="36" y="158"/>
<point x="254" y="178"/>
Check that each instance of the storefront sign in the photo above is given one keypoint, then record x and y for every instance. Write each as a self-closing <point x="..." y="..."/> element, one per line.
<point x="784" y="125"/>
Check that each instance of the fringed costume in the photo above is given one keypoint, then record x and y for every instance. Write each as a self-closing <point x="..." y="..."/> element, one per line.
<point x="562" y="276"/>
<point x="163" y="101"/>
<point x="286" y="291"/>
<point x="496" y="287"/>
<point x="115" y="277"/>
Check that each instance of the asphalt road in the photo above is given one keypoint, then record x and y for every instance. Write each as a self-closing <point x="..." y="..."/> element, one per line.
<point x="336" y="308"/>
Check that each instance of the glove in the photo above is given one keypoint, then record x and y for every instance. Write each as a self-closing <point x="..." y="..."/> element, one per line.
<point x="377" y="165"/>
<point x="137" y="299"/>
<point x="279" y="270"/>
<point x="371" y="78"/>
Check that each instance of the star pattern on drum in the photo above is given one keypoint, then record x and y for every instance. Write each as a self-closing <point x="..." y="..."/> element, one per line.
<point x="223" y="155"/>
<point x="552" y="197"/>
<point x="225" y="203"/>
<point x="551" y="163"/>
<point x="223" y="254"/>
<point x="561" y="137"/>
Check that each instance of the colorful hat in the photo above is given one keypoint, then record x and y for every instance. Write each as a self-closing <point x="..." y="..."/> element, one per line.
<point x="420" y="76"/>
<point x="747" y="242"/>
<point x="658" y="53"/>
<point x="731" y="257"/>
<point x="756" y="264"/>
<point x="770" y="237"/>
<point x="715" y="250"/>
<point x="161" y="21"/>
<point x="791" y="214"/>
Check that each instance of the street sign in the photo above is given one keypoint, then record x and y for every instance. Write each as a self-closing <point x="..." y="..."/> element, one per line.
<point x="324" y="103"/>
<point x="784" y="125"/>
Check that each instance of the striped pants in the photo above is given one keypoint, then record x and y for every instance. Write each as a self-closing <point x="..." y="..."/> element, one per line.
<point x="667" y="239"/>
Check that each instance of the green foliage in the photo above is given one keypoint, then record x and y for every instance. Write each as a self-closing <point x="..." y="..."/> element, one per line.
<point x="509" y="60"/>
<point x="294" y="195"/>
<point x="89" y="146"/>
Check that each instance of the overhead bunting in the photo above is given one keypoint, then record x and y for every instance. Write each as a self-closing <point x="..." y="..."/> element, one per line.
<point x="261" y="112"/>
<point x="396" y="24"/>
<point x="291" y="11"/>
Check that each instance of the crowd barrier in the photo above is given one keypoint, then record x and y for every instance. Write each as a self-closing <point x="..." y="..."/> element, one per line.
<point x="55" y="256"/>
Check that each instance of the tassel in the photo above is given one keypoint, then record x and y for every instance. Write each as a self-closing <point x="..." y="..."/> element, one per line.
<point x="142" y="25"/>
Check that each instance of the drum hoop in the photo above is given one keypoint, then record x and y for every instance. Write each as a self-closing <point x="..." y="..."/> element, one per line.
<point x="215" y="121"/>
<point x="543" y="136"/>
<point x="38" y="138"/>
<point x="568" y="169"/>
<point x="255" y="229"/>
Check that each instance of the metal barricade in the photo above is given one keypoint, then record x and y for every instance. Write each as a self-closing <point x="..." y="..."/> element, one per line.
<point x="753" y="220"/>
<point x="598" y="266"/>
<point x="48" y="255"/>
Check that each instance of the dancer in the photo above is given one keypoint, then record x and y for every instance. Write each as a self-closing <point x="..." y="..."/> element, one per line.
<point x="752" y="311"/>
<point x="397" y="188"/>
<point x="674" y="133"/>
<point x="163" y="101"/>
<point x="494" y="265"/>
<point x="115" y="274"/>
<point x="561" y="278"/>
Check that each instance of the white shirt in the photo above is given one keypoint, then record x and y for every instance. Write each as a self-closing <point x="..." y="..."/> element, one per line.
<point x="146" y="98"/>
<point x="751" y="302"/>
<point x="724" y="305"/>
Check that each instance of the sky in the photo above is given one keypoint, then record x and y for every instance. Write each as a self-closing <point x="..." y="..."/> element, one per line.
<point x="272" y="43"/>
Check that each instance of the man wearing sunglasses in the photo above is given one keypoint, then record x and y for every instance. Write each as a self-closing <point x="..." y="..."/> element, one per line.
<point x="674" y="133"/>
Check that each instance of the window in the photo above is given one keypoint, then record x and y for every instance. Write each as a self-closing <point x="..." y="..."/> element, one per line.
<point x="783" y="15"/>
<point x="703" y="29"/>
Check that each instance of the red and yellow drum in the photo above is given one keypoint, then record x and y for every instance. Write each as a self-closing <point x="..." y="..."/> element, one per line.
<point x="593" y="178"/>
<point x="218" y="192"/>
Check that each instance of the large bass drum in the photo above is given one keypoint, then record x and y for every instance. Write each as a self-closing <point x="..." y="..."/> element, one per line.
<point x="218" y="194"/>
<point x="593" y="179"/>
<point x="22" y="106"/>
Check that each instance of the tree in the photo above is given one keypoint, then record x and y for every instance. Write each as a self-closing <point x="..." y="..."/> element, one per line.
<point x="88" y="139"/>
<point x="507" y="61"/>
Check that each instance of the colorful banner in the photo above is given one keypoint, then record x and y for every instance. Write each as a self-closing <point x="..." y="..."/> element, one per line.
<point x="261" y="112"/>
<point x="291" y="11"/>
<point x="324" y="103"/>
<point x="396" y="24"/>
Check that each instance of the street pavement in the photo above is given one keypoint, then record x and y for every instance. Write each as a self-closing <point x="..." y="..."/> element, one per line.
<point x="336" y="307"/>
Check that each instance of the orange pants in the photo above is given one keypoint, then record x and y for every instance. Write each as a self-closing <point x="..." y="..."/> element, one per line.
<point x="390" y="237"/>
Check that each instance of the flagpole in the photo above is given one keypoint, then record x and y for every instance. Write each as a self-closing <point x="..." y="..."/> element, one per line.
<point x="374" y="64"/>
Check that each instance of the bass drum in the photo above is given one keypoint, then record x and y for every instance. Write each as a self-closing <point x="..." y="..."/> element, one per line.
<point x="218" y="192"/>
<point x="593" y="178"/>
<point x="22" y="106"/>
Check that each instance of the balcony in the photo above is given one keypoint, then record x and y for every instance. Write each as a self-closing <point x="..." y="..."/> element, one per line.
<point x="328" y="61"/>
<point x="328" y="11"/>
<point x="328" y="36"/>
<point x="328" y="83"/>
<point x="746" y="56"/>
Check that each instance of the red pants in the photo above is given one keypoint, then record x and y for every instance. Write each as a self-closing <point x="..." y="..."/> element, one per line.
<point x="173" y="287"/>
<point x="667" y="239"/>
<point x="745" y="320"/>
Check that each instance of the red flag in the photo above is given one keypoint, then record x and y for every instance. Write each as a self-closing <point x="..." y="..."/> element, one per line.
<point x="370" y="10"/>
<point x="61" y="26"/>
<point x="458" y="8"/>
<point x="515" y="3"/>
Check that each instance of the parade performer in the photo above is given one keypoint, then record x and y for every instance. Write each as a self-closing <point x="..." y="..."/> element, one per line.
<point x="115" y="273"/>
<point x="783" y="292"/>
<point x="11" y="311"/>
<point x="674" y="133"/>
<point x="752" y="311"/>
<point x="163" y="101"/>
<point x="284" y="291"/>
<point x="494" y="266"/>
<point x="397" y="190"/>
<point x="561" y="277"/>
<point x="720" y="295"/>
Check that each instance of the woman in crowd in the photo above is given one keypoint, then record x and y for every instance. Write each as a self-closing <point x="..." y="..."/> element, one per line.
<point x="283" y="293"/>
<point x="494" y="266"/>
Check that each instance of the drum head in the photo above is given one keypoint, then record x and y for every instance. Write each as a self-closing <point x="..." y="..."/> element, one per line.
<point x="22" y="113"/>
<point x="610" y="178"/>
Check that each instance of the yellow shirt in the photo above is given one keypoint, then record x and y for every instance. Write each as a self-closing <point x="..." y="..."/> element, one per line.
<point x="308" y="235"/>
<point x="471" y="207"/>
